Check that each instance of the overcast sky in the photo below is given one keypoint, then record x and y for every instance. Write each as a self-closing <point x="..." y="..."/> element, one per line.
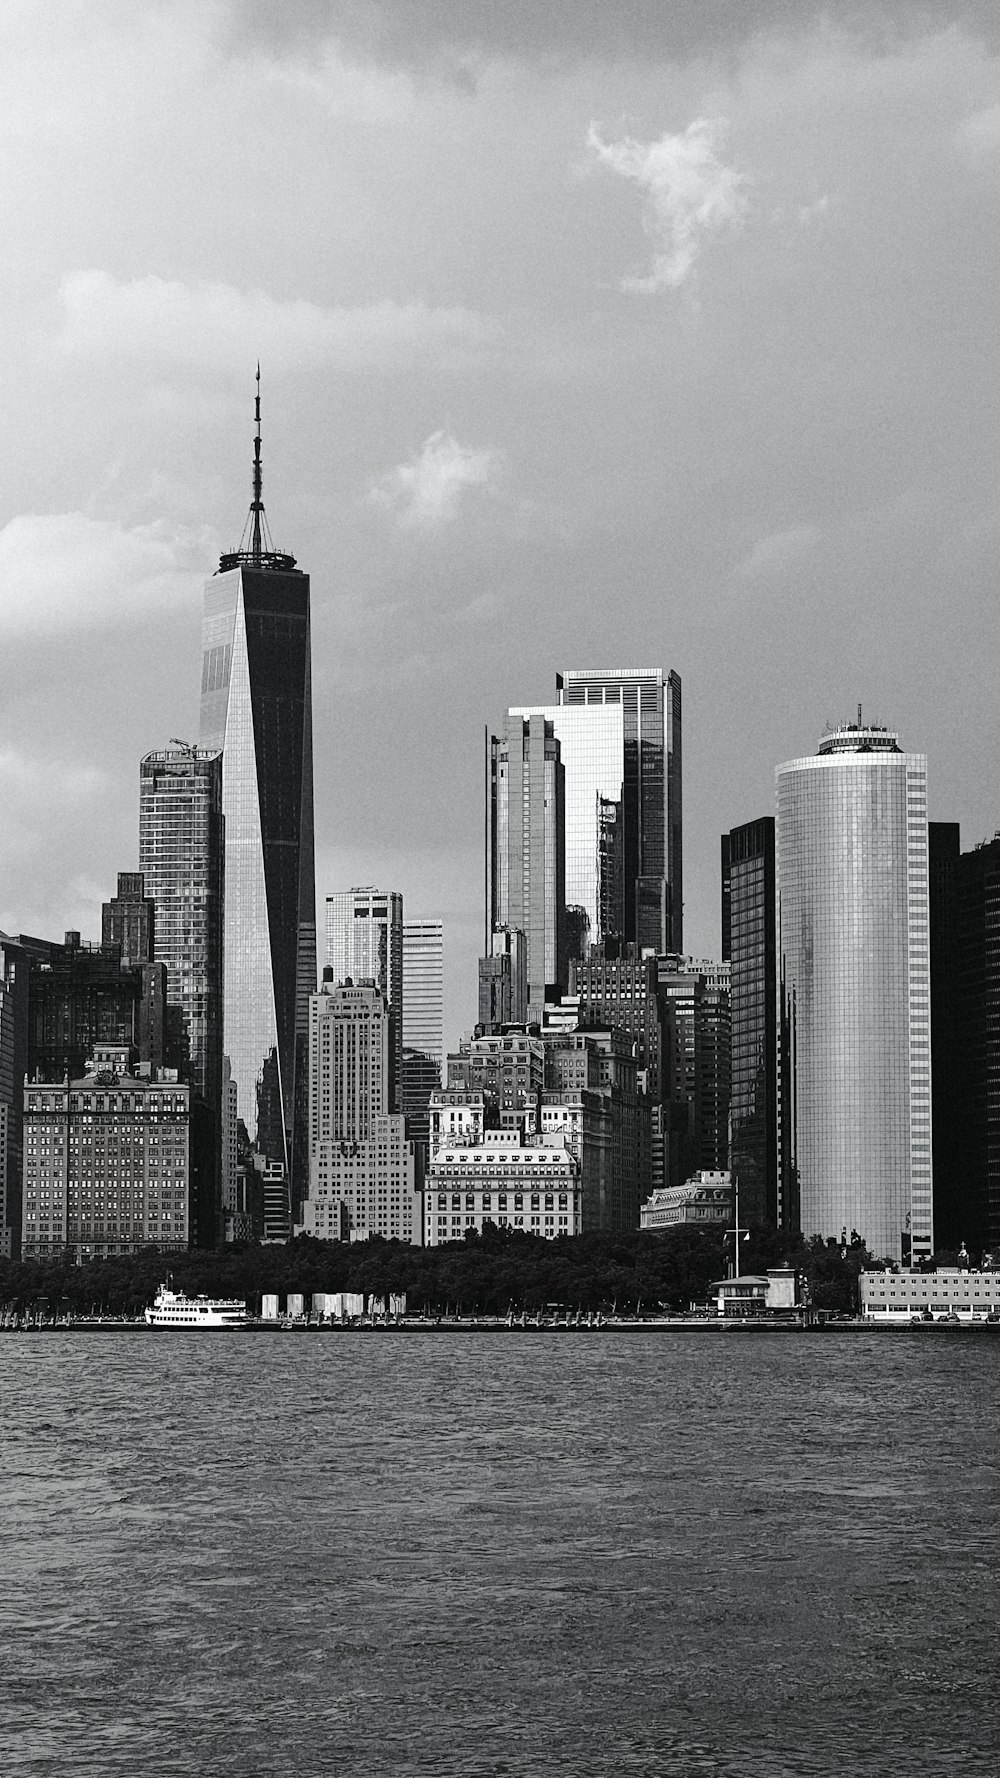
<point x="590" y="335"/>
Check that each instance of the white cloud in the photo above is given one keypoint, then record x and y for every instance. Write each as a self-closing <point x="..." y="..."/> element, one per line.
<point x="811" y="212"/>
<point x="64" y="573"/>
<point x="978" y="135"/>
<point x="780" y="550"/>
<point x="425" y="492"/>
<point x="210" y="325"/>
<point x="691" y="194"/>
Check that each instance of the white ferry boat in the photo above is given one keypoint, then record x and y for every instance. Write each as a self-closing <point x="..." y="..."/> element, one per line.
<point x="171" y="1308"/>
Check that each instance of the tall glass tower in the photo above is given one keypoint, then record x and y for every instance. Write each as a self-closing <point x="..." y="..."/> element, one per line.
<point x="619" y="732"/>
<point x="749" y="932"/>
<point x="525" y="849"/>
<point x="423" y="1025"/>
<point x="854" y="950"/>
<point x="256" y="707"/>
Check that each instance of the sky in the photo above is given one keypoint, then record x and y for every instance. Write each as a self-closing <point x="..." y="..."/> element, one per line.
<point x="589" y="336"/>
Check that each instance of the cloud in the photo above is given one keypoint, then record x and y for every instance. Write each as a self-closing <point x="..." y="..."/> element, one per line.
<point x="63" y="573"/>
<point x="425" y="492"/>
<point x="645" y="31"/>
<point x="978" y="135"/>
<point x="810" y="212"/>
<point x="208" y="325"/>
<point x="691" y="194"/>
<point x="772" y="555"/>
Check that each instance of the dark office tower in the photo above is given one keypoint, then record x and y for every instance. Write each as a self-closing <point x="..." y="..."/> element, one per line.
<point x="749" y="945"/>
<point x="503" y="982"/>
<point x="127" y="919"/>
<point x="619" y="731"/>
<point x="975" y="1215"/>
<point x="525" y="856"/>
<point x="82" y="997"/>
<point x="952" y="1223"/>
<point x="181" y="854"/>
<point x="621" y="990"/>
<point x="694" y="1013"/>
<point x="13" y="1062"/>
<point x="256" y="709"/>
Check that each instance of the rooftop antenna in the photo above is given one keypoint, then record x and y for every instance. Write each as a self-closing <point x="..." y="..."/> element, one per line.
<point x="258" y="422"/>
<point x="255" y="548"/>
<point x="257" y="507"/>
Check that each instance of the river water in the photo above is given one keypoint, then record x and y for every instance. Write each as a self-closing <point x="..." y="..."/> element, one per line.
<point x="712" y="1554"/>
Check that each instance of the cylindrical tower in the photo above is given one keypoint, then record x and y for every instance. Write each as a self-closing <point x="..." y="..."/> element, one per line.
<point x="851" y="843"/>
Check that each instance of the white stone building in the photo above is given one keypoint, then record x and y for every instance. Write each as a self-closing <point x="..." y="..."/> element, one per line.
<point x="513" y="1177"/>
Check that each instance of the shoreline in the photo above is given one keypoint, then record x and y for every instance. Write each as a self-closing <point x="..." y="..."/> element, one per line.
<point x="471" y="1325"/>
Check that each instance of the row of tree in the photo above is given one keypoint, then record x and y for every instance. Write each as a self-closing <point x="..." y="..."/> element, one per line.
<point x="487" y="1274"/>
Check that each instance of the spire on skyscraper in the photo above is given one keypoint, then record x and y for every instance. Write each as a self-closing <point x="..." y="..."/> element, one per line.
<point x="256" y="548"/>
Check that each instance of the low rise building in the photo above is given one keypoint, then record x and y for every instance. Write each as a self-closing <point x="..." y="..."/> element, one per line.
<point x="106" y="1164"/>
<point x="904" y="1295"/>
<point x="706" y="1199"/>
<point x="776" y="1292"/>
<point x="514" y="1178"/>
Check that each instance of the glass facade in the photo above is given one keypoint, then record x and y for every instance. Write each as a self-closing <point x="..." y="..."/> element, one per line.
<point x="423" y="1024"/>
<point x="974" y="1213"/>
<point x="256" y="709"/>
<point x="591" y="747"/>
<point x="619" y="731"/>
<point x="526" y="822"/>
<point x="693" y="995"/>
<point x="749" y="933"/>
<point x="852" y="873"/>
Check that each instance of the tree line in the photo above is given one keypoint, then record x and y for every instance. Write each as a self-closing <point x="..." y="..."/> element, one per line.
<point x="644" y="1272"/>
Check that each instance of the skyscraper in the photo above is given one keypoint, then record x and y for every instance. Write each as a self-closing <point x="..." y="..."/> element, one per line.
<point x="953" y="1098"/>
<point x="181" y="859"/>
<point x="619" y="732"/>
<point x="423" y="1025"/>
<point x="503" y="980"/>
<point x="975" y="1212"/>
<point x="694" y="1013"/>
<point x="14" y="968"/>
<point x="256" y="709"/>
<point x="364" y="943"/>
<point x="749" y="938"/>
<point x="360" y="1160"/>
<point x="127" y="919"/>
<point x="525" y="856"/>
<point x="852" y="873"/>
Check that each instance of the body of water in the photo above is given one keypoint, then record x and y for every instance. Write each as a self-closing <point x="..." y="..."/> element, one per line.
<point x="730" y="1555"/>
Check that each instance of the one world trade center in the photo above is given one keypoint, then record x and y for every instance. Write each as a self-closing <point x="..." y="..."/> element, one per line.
<point x="256" y="707"/>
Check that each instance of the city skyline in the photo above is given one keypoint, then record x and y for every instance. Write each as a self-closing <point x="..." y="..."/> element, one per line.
<point x="746" y="448"/>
